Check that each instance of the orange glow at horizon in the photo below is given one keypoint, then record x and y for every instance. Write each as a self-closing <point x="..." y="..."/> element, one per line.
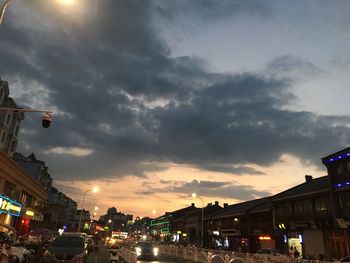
<point x="128" y="193"/>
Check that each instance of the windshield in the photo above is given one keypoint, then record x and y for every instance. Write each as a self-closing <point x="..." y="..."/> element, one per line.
<point x="68" y="241"/>
<point x="144" y="245"/>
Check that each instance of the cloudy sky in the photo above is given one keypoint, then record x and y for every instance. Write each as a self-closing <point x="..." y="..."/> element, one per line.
<point x="156" y="99"/>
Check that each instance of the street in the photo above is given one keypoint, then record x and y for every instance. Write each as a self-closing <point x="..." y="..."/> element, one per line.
<point x="102" y="256"/>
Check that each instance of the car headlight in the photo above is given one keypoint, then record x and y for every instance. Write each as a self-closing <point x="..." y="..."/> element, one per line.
<point x="155" y="251"/>
<point x="138" y="251"/>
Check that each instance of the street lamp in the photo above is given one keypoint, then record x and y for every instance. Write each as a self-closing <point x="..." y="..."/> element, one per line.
<point x="3" y="10"/>
<point x="94" y="190"/>
<point x="194" y="195"/>
<point x="46" y="119"/>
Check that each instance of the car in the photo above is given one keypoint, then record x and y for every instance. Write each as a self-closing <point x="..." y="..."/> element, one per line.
<point x="68" y="249"/>
<point x="145" y="250"/>
<point x="79" y="234"/>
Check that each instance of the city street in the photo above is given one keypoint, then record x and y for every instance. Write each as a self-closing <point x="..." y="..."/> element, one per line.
<point x="102" y="256"/>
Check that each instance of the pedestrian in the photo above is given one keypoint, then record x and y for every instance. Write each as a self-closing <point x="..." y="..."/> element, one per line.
<point x="4" y="257"/>
<point x="296" y="253"/>
<point x="291" y="252"/>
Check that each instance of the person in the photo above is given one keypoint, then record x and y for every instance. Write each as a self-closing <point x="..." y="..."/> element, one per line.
<point x="4" y="257"/>
<point x="291" y="252"/>
<point x="296" y="253"/>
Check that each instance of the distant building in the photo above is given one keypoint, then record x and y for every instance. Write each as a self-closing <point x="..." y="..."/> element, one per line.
<point x="60" y="210"/>
<point x="116" y="221"/>
<point x="85" y="220"/>
<point x="35" y="168"/>
<point x="9" y="121"/>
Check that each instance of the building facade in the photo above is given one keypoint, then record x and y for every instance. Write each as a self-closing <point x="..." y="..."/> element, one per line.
<point x="22" y="198"/>
<point x="9" y="121"/>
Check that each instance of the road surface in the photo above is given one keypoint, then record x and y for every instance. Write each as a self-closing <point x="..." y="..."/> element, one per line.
<point x="102" y="256"/>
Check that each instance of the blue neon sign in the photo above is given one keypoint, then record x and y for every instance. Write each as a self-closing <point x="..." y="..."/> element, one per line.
<point x="9" y="206"/>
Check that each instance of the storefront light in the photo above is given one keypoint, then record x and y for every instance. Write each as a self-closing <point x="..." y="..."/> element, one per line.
<point x="300" y="238"/>
<point x="264" y="238"/>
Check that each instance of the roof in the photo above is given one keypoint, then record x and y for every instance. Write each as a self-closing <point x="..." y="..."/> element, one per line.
<point x="316" y="185"/>
<point x="240" y="208"/>
<point x="181" y="212"/>
<point x="340" y="155"/>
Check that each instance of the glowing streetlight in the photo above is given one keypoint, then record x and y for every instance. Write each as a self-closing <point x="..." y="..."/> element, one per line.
<point x="96" y="208"/>
<point x="194" y="195"/>
<point x="154" y="212"/>
<point x="67" y="2"/>
<point x="95" y="189"/>
<point x="109" y="221"/>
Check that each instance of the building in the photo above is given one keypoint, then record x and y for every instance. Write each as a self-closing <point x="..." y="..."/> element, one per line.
<point x="172" y="225"/>
<point x="303" y="217"/>
<point x="85" y="220"/>
<point x="60" y="211"/>
<point x="234" y="227"/>
<point x="338" y="169"/>
<point x="116" y="221"/>
<point x="35" y="168"/>
<point x="22" y="198"/>
<point x="9" y="121"/>
<point x="193" y="222"/>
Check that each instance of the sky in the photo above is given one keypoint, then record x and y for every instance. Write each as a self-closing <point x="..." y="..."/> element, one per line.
<point x="156" y="99"/>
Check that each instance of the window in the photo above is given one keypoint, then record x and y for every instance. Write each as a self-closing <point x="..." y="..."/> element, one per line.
<point x="303" y="207"/>
<point x="9" y="189"/>
<point x="8" y="118"/>
<point x="26" y="199"/>
<point x="340" y="168"/>
<point x="3" y="136"/>
<point x="345" y="200"/>
<point x="13" y="146"/>
<point x="321" y="204"/>
<point x="284" y="210"/>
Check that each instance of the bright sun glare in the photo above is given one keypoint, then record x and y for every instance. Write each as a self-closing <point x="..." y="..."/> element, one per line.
<point x="67" y="2"/>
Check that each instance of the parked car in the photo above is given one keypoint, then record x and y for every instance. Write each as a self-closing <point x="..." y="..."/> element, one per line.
<point x="66" y="248"/>
<point x="145" y="250"/>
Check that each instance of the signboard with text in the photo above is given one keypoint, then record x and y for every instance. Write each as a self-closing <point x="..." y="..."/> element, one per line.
<point x="9" y="206"/>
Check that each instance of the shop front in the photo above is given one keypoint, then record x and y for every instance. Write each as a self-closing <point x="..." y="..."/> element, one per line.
<point x="10" y="210"/>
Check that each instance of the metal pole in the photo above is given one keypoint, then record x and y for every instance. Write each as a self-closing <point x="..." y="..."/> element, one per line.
<point x="81" y="211"/>
<point x="3" y="9"/>
<point x="202" y="232"/>
<point x="25" y="110"/>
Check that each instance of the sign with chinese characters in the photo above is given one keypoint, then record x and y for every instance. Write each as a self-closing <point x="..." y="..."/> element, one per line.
<point x="9" y="206"/>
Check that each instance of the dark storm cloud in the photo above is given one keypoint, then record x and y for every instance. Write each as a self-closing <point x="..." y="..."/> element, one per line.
<point x="211" y="9"/>
<point x="209" y="188"/>
<point x="125" y="98"/>
<point x="224" y="168"/>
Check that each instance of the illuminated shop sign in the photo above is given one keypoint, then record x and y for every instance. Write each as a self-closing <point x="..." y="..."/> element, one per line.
<point x="9" y="206"/>
<point x="30" y="213"/>
<point x="264" y="238"/>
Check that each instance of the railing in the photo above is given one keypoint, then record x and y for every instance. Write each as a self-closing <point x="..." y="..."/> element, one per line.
<point x="127" y="255"/>
<point x="221" y="256"/>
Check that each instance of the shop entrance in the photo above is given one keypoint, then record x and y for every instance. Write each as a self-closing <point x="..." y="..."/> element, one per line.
<point x="295" y="243"/>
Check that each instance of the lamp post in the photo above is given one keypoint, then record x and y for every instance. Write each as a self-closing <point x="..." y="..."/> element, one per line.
<point x="3" y="10"/>
<point x="94" y="190"/>
<point x="194" y="195"/>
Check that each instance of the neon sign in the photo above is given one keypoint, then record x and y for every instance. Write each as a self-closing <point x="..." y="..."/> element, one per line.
<point x="9" y="206"/>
